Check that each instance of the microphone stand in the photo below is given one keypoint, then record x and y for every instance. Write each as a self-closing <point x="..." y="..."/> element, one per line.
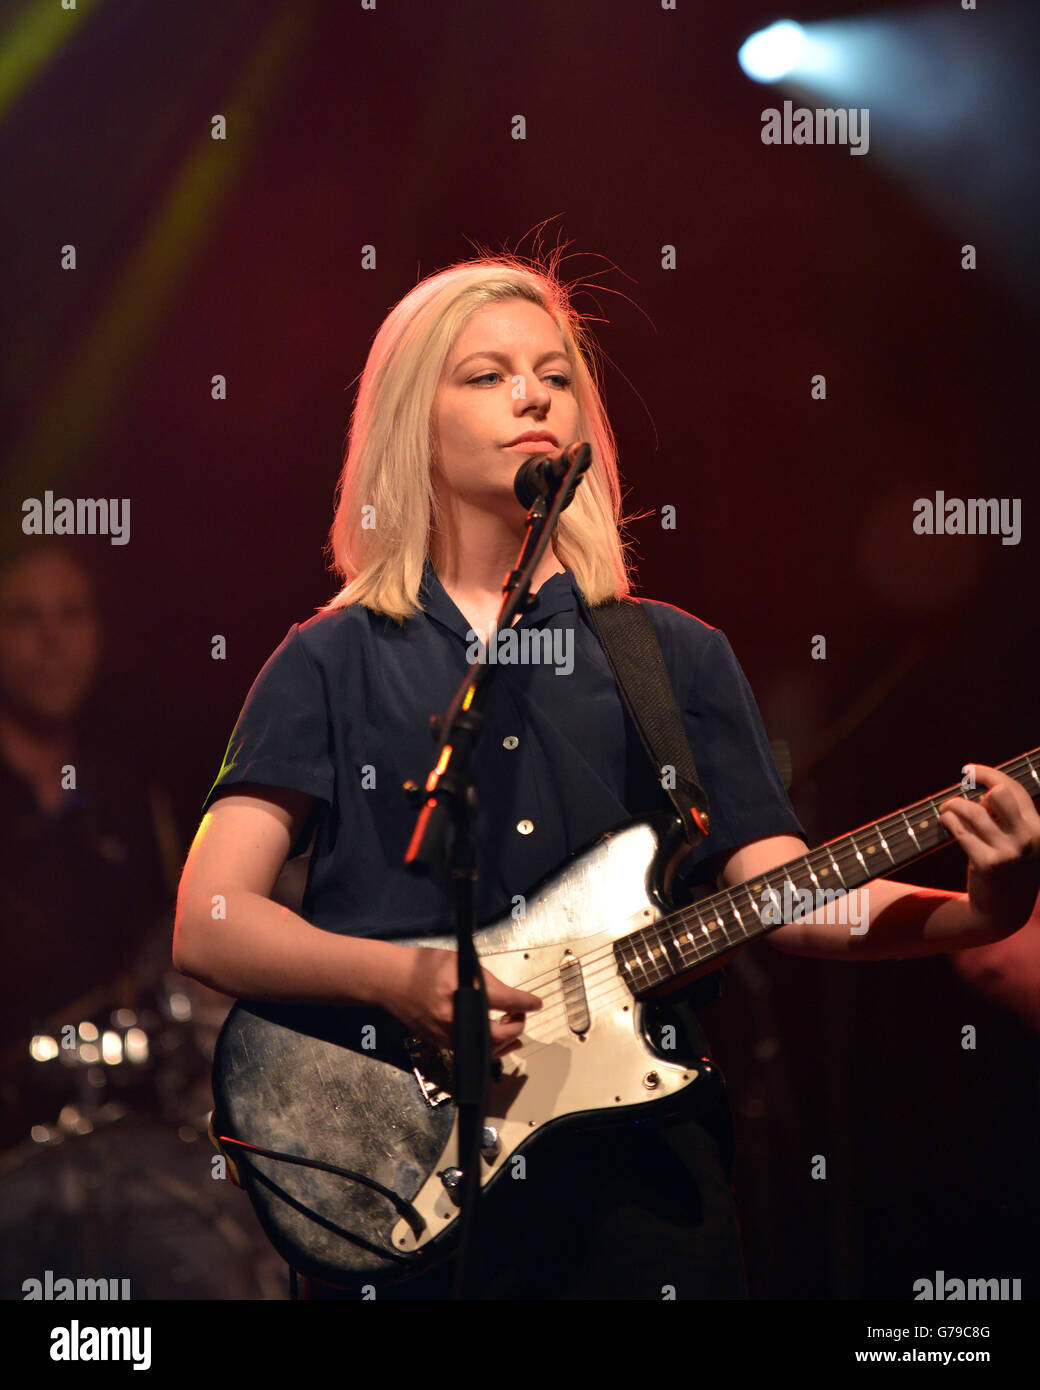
<point x="444" y="834"/>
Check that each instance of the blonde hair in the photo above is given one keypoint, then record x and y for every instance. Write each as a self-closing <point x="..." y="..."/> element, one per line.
<point x="391" y="443"/>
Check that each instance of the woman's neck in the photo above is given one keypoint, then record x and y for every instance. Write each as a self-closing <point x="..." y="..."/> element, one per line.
<point x="473" y="560"/>
<point x="472" y="564"/>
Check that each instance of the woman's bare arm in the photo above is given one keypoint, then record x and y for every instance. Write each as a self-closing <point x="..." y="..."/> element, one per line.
<point x="232" y="936"/>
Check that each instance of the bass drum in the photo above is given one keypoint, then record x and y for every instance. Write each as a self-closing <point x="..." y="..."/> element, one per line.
<point x="134" y="1199"/>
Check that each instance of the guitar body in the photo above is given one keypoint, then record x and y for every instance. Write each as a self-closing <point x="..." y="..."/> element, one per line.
<point x="347" y="1087"/>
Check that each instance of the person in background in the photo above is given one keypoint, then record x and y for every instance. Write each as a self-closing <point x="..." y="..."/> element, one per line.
<point x="88" y="845"/>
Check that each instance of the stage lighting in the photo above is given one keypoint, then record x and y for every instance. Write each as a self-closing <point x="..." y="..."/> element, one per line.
<point x="772" y="53"/>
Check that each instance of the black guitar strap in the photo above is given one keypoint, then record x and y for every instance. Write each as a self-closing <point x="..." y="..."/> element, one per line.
<point x="635" y="657"/>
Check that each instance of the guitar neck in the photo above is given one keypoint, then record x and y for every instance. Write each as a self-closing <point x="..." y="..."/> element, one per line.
<point x="696" y="935"/>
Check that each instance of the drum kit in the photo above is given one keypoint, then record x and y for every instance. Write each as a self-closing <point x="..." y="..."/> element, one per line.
<point x="106" y="1171"/>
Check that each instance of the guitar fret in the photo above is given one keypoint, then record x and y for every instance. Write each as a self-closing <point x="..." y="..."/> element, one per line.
<point x="837" y="870"/>
<point x="796" y="905"/>
<point x="677" y="948"/>
<point x="909" y="829"/>
<point x="859" y="856"/>
<point x="703" y="931"/>
<point x="712" y="933"/>
<point x="776" y="898"/>
<point x="655" y="965"/>
<point x="736" y="912"/>
<point x="751" y="900"/>
<point x="789" y="883"/>
<point x="695" y="941"/>
<point x="695" y="947"/>
<point x="884" y="842"/>
<point x="706" y="931"/>
<point x="815" y="862"/>
<point x="704" y="939"/>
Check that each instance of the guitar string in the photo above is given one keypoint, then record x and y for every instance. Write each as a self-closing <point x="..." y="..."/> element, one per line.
<point x="608" y="992"/>
<point x="842" y="855"/>
<point x="602" y="963"/>
<point x="693" y="914"/>
<point x="602" y="960"/>
<point x="600" y="966"/>
<point x="602" y="986"/>
<point x="543" y="1024"/>
<point x="696" y="914"/>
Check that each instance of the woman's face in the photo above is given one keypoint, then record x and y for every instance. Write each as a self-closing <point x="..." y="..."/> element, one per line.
<point x="507" y="373"/>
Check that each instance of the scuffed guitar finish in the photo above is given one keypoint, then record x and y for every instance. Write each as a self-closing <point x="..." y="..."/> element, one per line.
<point x="313" y="1082"/>
<point x="597" y="936"/>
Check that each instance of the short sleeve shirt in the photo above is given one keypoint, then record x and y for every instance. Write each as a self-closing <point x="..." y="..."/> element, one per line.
<point x="341" y="711"/>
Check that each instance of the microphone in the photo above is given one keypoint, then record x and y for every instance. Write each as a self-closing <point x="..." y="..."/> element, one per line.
<point x="543" y="474"/>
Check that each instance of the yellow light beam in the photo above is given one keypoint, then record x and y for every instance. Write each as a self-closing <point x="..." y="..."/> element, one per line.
<point x="74" y="417"/>
<point x="34" y="36"/>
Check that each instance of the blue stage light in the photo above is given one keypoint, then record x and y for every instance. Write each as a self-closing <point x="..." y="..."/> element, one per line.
<point x="772" y="53"/>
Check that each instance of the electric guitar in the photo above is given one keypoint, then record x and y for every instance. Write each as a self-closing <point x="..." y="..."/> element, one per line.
<point x="359" y="1182"/>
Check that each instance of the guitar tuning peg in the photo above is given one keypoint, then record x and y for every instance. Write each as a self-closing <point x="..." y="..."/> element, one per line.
<point x="413" y="792"/>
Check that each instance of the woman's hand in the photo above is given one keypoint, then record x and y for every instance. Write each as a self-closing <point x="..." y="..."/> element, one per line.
<point x="1000" y="834"/>
<point x="424" y="999"/>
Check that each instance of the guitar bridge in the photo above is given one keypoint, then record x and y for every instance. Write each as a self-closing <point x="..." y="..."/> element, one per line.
<point x="431" y="1067"/>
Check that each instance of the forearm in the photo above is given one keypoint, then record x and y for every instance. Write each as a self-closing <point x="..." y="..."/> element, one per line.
<point x="886" y="920"/>
<point x="1008" y="971"/>
<point x="261" y="950"/>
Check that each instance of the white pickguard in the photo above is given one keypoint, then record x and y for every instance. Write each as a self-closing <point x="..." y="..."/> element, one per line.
<point x="556" y="1072"/>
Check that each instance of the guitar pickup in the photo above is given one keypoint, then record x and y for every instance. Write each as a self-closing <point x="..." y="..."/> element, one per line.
<point x="574" y="997"/>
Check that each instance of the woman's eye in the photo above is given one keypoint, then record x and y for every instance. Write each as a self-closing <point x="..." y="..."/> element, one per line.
<point x="564" y="381"/>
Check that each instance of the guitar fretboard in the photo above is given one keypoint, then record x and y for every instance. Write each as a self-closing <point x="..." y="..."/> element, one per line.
<point x="697" y="934"/>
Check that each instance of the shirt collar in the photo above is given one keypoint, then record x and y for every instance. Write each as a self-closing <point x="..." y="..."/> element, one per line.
<point x="559" y="594"/>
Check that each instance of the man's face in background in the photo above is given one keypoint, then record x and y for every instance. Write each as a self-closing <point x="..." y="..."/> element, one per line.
<point x="49" y="638"/>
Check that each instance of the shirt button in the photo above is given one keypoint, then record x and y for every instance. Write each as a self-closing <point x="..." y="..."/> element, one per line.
<point x="510" y="741"/>
<point x="525" y="827"/>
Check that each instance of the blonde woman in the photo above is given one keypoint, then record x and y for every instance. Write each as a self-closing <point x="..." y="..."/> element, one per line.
<point x="473" y="370"/>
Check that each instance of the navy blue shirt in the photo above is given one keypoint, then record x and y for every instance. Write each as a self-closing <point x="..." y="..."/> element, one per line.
<point x="341" y="711"/>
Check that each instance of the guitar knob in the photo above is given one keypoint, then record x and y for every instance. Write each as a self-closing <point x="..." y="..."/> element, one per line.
<point x="490" y="1144"/>
<point x="451" y="1177"/>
